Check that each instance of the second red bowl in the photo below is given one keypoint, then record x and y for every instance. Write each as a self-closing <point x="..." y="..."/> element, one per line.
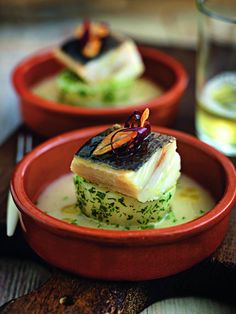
<point x="50" y="118"/>
<point x="123" y="255"/>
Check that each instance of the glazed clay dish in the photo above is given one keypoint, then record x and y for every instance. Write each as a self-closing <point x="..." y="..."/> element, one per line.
<point x="49" y="118"/>
<point x="130" y="253"/>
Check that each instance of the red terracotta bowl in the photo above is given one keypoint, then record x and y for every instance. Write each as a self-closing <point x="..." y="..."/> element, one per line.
<point x="51" y="118"/>
<point x="114" y="254"/>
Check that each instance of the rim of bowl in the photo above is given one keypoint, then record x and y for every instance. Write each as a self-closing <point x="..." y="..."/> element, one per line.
<point x="28" y="63"/>
<point x="167" y="234"/>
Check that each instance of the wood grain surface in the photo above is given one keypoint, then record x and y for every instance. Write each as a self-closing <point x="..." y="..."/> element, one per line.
<point x="165" y="22"/>
<point x="21" y="270"/>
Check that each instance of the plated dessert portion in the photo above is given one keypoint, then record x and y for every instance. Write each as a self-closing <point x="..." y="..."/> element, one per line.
<point x="126" y="178"/>
<point x="102" y="69"/>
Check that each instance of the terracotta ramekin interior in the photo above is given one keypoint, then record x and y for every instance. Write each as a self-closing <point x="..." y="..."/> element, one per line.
<point x="53" y="158"/>
<point x="88" y="247"/>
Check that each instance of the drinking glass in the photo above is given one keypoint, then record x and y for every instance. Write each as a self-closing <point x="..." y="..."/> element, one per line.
<point x="216" y="74"/>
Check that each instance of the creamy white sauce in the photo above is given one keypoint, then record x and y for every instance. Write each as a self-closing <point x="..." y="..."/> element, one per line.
<point x="142" y="90"/>
<point x="190" y="201"/>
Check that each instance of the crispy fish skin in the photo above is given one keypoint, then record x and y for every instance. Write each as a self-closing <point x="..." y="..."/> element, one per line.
<point x="71" y="49"/>
<point x="118" y="60"/>
<point x="154" y="142"/>
<point x="131" y="176"/>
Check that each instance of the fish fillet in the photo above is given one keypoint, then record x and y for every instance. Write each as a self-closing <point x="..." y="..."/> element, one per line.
<point x="146" y="175"/>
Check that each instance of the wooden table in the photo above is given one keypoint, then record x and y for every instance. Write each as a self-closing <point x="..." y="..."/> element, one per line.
<point x="21" y="270"/>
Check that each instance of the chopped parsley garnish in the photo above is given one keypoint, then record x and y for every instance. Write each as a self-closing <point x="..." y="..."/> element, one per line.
<point x="100" y="195"/>
<point x="121" y="200"/>
<point x="92" y="189"/>
<point x="130" y="217"/>
<point x="150" y="226"/>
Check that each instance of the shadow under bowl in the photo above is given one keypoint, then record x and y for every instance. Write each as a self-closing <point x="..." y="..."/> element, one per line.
<point x="123" y="255"/>
<point x="50" y="118"/>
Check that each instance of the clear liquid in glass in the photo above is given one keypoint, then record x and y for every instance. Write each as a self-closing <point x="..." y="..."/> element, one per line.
<point x="216" y="113"/>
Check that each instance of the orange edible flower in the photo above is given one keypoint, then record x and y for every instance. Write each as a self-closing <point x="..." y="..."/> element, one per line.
<point x="118" y="140"/>
<point x="97" y="31"/>
<point x="122" y="138"/>
<point x="92" y="48"/>
<point x="100" y="30"/>
<point x="144" y="117"/>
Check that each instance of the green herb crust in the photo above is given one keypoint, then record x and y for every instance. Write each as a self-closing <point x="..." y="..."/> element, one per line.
<point x="115" y="208"/>
<point x="76" y="92"/>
